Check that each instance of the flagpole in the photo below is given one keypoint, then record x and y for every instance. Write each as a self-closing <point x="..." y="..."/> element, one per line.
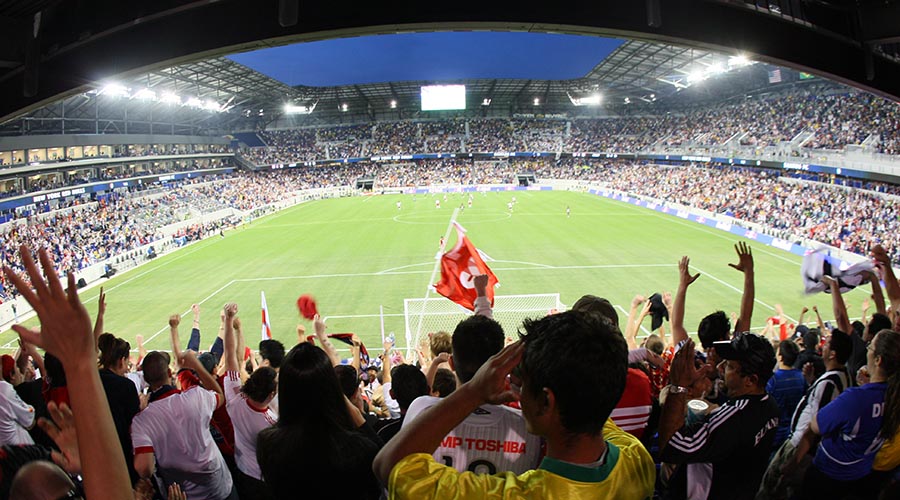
<point x="434" y="272"/>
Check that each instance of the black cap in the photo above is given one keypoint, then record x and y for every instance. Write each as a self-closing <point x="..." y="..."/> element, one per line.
<point x="755" y="352"/>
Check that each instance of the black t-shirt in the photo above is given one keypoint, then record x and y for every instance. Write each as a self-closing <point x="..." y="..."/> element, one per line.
<point x="124" y="404"/>
<point x="811" y="357"/>
<point x="857" y="357"/>
<point x="30" y="392"/>
<point x="725" y="454"/>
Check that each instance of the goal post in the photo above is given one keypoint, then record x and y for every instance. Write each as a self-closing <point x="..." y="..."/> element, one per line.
<point x="424" y="316"/>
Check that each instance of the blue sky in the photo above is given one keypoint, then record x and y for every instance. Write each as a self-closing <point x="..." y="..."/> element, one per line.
<point x="431" y="56"/>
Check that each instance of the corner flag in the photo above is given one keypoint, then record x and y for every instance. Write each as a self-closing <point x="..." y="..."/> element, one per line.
<point x="266" y="328"/>
<point x="458" y="268"/>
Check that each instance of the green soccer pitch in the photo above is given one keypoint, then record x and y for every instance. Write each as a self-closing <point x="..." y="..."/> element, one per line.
<point x="357" y="254"/>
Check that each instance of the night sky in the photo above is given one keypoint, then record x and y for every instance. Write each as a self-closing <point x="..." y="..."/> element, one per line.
<point x="431" y="56"/>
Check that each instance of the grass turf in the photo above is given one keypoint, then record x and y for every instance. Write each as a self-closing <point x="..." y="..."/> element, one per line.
<point x="356" y="254"/>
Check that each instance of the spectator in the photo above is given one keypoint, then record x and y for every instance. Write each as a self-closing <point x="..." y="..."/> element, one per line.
<point x="320" y="437"/>
<point x="572" y="372"/>
<point x="786" y="386"/>
<point x="16" y="416"/>
<point x="248" y="407"/>
<point x="407" y="384"/>
<point x="120" y="394"/>
<point x="853" y="428"/>
<point x="173" y="431"/>
<point x="726" y="452"/>
<point x="810" y="354"/>
<point x="444" y="383"/>
<point x="776" y="483"/>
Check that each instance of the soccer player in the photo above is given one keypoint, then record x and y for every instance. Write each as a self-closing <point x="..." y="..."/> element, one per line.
<point x="568" y="211"/>
<point x="399" y="205"/>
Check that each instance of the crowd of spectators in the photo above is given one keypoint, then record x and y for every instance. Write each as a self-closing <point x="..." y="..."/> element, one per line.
<point x="811" y="119"/>
<point x="845" y="213"/>
<point x="575" y="407"/>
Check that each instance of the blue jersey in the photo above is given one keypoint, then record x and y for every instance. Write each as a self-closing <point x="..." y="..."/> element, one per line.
<point x="787" y="388"/>
<point x="850" y="427"/>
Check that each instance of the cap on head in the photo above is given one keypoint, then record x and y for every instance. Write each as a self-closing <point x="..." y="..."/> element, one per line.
<point x="9" y="365"/>
<point x="755" y="352"/>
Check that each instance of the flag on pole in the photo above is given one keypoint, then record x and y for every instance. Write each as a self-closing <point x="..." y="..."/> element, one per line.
<point x="458" y="268"/>
<point x="775" y="75"/>
<point x="266" y="327"/>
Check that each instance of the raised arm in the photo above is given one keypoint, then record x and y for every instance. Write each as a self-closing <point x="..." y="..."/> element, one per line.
<point x="482" y="303"/>
<point x="29" y="350"/>
<point x="631" y="325"/>
<point x="174" y="321"/>
<point x="434" y="366"/>
<point x="819" y="321"/>
<point x="189" y="360"/>
<point x="745" y="265"/>
<point x="101" y="310"/>
<point x="837" y="305"/>
<point x="327" y="346"/>
<point x="877" y="295"/>
<point x="229" y="340"/>
<point x="66" y="333"/>
<point x="424" y="434"/>
<point x="667" y="301"/>
<point x="684" y="281"/>
<point x="891" y="286"/>
<point x="354" y="353"/>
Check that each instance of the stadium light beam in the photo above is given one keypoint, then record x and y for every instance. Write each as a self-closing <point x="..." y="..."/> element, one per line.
<point x="170" y="98"/>
<point x="114" y="90"/>
<point x="393" y="104"/>
<point x="145" y="94"/>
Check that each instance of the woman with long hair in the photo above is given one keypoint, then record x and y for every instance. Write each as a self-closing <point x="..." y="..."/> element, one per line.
<point x="121" y="393"/>
<point x="321" y="440"/>
<point x="854" y="426"/>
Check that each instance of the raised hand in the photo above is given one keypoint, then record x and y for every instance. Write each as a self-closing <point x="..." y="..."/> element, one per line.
<point x="745" y="258"/>
<point x="637" y="300"/>
<point x="684" y="272"/>
<point x="683" y="372"/>
<point x="230" y="310"/>
<point x="667" y="300"/>
<point x="489" y="381"/>
<point x="66" y="330"/>
<point x="62" y="431"/>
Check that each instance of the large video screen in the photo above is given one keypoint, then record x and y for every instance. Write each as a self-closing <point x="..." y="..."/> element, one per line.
<point x="439" y="97"/>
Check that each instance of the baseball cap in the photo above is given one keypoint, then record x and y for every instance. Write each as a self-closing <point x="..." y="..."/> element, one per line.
<point x="9" y="365"/>
<point x="755" y="352"/>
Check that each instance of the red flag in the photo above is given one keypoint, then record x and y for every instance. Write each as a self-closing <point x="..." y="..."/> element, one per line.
<point x="458" y="267"/>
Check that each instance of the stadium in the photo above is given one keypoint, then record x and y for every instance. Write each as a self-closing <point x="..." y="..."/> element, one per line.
<point x="308" y="152"/>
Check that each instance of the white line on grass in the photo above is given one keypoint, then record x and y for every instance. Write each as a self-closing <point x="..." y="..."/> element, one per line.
<point x="223" y="287"/>
<point x="698" y="227"/>
<point x="738" y="290"/>
<point x="617" y="306"/>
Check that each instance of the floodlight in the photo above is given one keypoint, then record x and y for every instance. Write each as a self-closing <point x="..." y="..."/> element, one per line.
<point x="291" y="109"/>
<point x="393" y="104"/>
<point x="344" y="107"/>
<point x="194" y="103"/>
<point x="716" y="69"/>
<point x="627" y="101"/>
<point x="537" y="101"/>
<point x="739" y="61"/>
<point x="696" y="76"/>
<point x="115" y="90"/>
<point x="145" y="94"/>
<point x="170" y="98"/>
<point x="485" y="102"/>
<point x="211" y="105"/>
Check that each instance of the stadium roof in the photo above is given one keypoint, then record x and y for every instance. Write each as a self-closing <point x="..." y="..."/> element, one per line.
<point x="51" y="49"/>
<point x="218" y="95"/>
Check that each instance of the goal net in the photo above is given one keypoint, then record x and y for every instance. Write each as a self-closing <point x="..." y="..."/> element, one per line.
<point x="424" y="316"/>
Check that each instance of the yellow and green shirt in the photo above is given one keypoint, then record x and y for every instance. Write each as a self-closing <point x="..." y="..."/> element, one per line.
<point x="628" y="473"/>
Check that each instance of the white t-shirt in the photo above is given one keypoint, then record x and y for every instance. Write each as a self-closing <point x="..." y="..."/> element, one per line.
<point x="176" y="429"/>
<point x="16" y="416"/>
<point x="137" y="378"/>
<point x="491" y="439"/>
<point x="389" y="402"/>
<point x="247" y="422"/>
<point x="823" y="391"/>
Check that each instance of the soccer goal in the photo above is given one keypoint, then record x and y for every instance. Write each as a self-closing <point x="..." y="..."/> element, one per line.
<point x="424" y="316"/>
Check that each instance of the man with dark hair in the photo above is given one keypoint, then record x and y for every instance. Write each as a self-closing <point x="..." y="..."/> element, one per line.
<point x="272" y="353"/>
<point x="444" y="383"/>
<point x="810" y="354"/>
<point x="632" y="411"/>
<point x="407" y="384"/>
<point x="571" y="367"/>
<point x="786" y="386"/>
<point x="776" y="484"/>
<point x="512" y="447"/>
<point x="172" y="433"/>
<point x="724" y="453"/>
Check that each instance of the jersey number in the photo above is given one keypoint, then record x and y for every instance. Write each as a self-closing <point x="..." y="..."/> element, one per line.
<point x="478" y="466"/>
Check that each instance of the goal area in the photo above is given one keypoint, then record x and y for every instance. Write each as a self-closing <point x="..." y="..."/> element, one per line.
<point x="423" y="316"/>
